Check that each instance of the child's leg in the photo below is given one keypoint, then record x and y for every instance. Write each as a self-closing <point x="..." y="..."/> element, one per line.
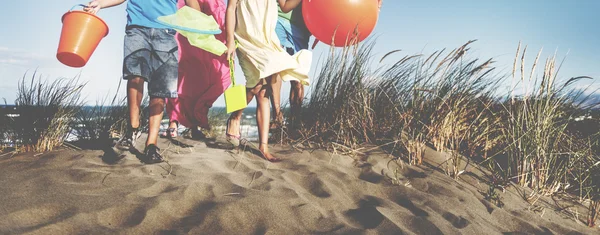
<point x="262" y="120"/>
<point x="173" y="124"/>
<point x="135" y="93"/>
<point x="172" y="107"/>
<point x="276" y="97"/>
<point x="296" y="97"/>
<point x="156" y="107"/>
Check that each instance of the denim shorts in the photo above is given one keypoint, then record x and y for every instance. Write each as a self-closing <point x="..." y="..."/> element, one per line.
<point x="152" y="54"/>
<point x="292" y="38"/>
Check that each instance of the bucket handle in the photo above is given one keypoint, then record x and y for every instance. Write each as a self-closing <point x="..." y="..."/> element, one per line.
<point x="78" y="5"/>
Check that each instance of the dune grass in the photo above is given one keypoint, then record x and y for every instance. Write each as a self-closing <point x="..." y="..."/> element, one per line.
<point x="96" y="125"/>
<point x="46" y="110"/>
<point x="454" y="104"/>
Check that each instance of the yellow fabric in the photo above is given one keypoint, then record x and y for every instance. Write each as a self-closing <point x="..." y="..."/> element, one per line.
<point x="235" y="96"/>
<point x="187" y="17"/>
<point x="260" y="53"/>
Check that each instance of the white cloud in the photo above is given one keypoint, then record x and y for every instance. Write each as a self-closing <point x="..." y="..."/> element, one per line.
<point x="14" y="56"/>
<point x="12" y="61"/>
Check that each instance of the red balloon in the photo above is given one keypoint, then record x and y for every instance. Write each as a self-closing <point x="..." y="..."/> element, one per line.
<point x="340" y="22"/>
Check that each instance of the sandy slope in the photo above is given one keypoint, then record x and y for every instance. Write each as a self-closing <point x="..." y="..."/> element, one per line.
<point x="213" y="190"/>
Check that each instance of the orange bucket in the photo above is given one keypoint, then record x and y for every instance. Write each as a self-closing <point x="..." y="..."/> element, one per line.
<point x="81" y="34"/>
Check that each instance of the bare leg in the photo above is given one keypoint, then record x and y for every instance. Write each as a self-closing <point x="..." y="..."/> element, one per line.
<point x="156" y="107"/>
<point x="173" y="124"/>
<point x="262" y="120"/>
<point x="135" y="93"/>
<point x="296" y="97"/>
<point x="276" y="97"/>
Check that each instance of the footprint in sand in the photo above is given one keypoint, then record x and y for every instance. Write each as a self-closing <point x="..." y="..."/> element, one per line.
<point x="260" y="182"/>
<point x="122" y="216"/>
<point x="420" y="225"/>
<point x="311" y="218"/>
<point x="366" y="215"/>
<point x="367" y="174"/>
<point x="196" y="216"/>
<point x="82" y="175"/>
<point x="409" y="205"/>
<point x="158" y="188"/>
<point x="33" y="217"/>
<point x="311" y="183"/>
<point x="457" y="221"/>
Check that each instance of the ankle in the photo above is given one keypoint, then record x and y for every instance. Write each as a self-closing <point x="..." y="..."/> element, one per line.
<point x="136" y="128"/>
<point x="235" y="118"/>
<point x="264" y="147"/>
<point x="150" y="144"/>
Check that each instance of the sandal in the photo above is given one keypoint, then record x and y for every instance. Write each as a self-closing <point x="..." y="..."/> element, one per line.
<point x="170" y="133"/>
<point x="232" y="139"/>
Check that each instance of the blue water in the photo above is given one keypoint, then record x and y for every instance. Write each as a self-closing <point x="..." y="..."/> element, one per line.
<point x="248" y="125"/>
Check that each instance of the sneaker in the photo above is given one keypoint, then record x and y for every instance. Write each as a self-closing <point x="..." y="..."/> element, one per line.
<point x="128" y="141"/>
<point x="152" y="154"/>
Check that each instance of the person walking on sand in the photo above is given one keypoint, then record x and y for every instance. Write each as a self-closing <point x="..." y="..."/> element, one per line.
<point x="294" y="37"/>
<point x="203" y="76"/>
<point x="150" y="55"/>
<point x="252" y="24"/>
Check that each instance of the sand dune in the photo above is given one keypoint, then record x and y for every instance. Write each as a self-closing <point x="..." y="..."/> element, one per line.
<point x="212" y="190"/>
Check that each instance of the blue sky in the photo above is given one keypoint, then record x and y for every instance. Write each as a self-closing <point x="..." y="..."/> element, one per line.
<point x="31" y="32"/>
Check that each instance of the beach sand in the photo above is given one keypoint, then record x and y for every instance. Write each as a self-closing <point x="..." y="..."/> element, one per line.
<point x="213" y="190"/>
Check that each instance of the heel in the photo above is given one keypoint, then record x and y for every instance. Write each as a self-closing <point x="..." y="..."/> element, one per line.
<point x="273" y="159"/>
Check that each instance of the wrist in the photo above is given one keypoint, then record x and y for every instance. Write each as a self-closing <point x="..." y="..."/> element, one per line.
<point x="99" y="4"/>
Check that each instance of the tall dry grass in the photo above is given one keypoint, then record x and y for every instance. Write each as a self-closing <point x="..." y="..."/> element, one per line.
<point x="538" y="149"/>
<point x="454" y="103"/>
<point x="96" y="125"/>
<point x="46" y="110"/>
<point x="339" y="111"/>
<point x="417" y="100"/>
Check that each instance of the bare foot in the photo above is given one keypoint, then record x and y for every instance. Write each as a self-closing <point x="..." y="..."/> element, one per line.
<point x="266" y="155"/>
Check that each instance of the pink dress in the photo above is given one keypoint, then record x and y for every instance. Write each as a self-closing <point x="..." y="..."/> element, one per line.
<point x="203" y="76"/>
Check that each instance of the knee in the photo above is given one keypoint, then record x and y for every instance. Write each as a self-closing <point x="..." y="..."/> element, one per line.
<point x="255" y="90"/>
<point x="297" y="86"/>
<point x="136" y="81"/>
<point x="261" y="93"/>
<point x="157" y="100"/>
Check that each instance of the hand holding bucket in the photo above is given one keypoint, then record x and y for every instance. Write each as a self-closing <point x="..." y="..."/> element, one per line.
<point x="81" y="34"/>
<point x="235" y="96"/>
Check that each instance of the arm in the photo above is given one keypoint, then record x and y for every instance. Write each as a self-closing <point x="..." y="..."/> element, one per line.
<point x="288" y="5"/>
<point x="230" y="22"/>
<point x="95" y="5"/>
<point x="193" y="4"/>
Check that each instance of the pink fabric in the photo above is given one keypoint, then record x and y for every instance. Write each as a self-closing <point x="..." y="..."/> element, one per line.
<point x="203" y="76"/>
